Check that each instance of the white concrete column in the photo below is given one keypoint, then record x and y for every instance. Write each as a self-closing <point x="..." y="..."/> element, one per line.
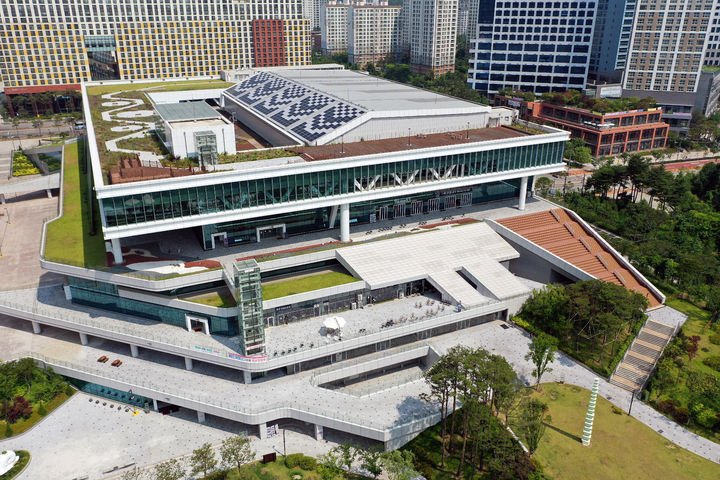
<point x="155" y="405"/>
<point x="49" y="193"/>
<point x="345" y="222"/>
<point x="36" y="327"/>
<point x="134" y="352"/>
<point x="117" y="250"/>
<point x="201" y="417"/>
<point x="523" y="193"/>
<point x="2" y="198"/>
<point x="188" y="363"/>
<point x="247" y="377"/>
<point x="318" y="432"/>
<point x="83" y="338"/>
<point x="333" y="216"/>
<point x="262" y="431"/>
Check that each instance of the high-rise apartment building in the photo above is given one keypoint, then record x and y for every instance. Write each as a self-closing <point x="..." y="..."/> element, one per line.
<point x="55" y="44"/>
<point x="311" y="11"/>
<point x="374" y="32"/>
<point x="430" y="34"/>
<point x="668" y="43"/>
<point x="467" y="18"/>
<point x="532" y="46"/>
<point x="333" y="27"/>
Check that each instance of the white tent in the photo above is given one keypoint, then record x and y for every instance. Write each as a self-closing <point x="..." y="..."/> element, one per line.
<point x="334" y="323"/>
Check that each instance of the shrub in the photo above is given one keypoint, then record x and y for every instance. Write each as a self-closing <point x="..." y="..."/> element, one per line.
<point x="294" y="473"/>
<point x="293" y="460"/>
<point x="247" y="474"/>
<point x="715" y="338"/>
<point x="8" y="430"/>
<point x="713" y="362"/>
<point x="681" y="415"/>
<point x="42" y="411"/>
<point x="69" y="390"/>
<point x="218" y="475"/>
<point x="666" y="406"/>
<point x="616" y="410"/>
<point x="308" y="463"/>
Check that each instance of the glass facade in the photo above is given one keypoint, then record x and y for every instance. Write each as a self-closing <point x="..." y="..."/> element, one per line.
<point x="105" y="296"/>
<point x="241" y="195"/>
<point x="243" y="231"/>
<point x="248" y="294"/>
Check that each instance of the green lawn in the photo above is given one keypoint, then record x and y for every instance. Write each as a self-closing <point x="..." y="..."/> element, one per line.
<point x="621" y="446"/>
<point x="68" y="238"/>
<point x="305" y="284"/>
<point x="18" y="467"/>
<point x="221" y="300"/>
<point x="161" y="86"/>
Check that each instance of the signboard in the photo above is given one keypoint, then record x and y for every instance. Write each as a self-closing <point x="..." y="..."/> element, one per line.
<point x="514" y="103"/>
<point x="614" y="91"/>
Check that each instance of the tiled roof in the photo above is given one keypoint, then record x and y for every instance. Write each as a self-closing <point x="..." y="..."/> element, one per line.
<point x="558" y="233"/>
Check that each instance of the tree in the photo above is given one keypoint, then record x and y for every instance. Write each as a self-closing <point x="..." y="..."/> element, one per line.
<point x="329" y="465"/>
<point x="577" y="151"/>
<point x="203" y="460"/>
<point x="532" y="422"/>
<point x="541" y="354"/>
<point x="134" y="474"/>
<point x="346" y="453"/>
<point x="169" y="470"/>
<point x="370" y="460"/>
<point x="399" y="465"/>
<point x="543" y="185"/>
<point x="236" y="451"/>
<point x="37" y="123"/>
<point x="26" y="367"/>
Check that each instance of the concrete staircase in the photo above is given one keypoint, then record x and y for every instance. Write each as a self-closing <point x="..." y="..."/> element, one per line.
<point x="640" y="359"/>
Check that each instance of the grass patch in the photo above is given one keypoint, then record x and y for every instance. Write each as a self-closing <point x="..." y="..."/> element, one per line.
<point x="305" y="284"/>
<point x="622" y="447"/>
<point x="147" y="143"/>
<point x="18" y="467"/>
<point x="68" y="238"/>
<point x="215" y="299"/>
<point x="255" y="155"/>
<point x="158" y="86"/>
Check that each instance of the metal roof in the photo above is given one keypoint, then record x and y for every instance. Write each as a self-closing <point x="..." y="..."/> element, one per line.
<point x="185" y="111"/>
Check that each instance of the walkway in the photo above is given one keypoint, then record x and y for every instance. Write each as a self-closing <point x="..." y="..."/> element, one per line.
<point x="391" y="407"/>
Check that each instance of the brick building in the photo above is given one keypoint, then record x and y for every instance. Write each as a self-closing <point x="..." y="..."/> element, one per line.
<point x="605" y="133"/>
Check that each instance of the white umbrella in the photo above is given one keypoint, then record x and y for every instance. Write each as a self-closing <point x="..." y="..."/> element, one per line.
<point x="334" y="323"/>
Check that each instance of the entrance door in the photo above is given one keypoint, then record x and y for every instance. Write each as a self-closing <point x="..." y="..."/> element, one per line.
<point x="326" y="308"/>
<point x="416" y="208"/>
<point x="270" y="231"/>
<point x="450" y="202"/>
<point x="433" y="205"/>
<point x="466" y="199"/>
<point x="218" y="239"/>
<point x="399" y="210"/>
<point x="382" y="213"/>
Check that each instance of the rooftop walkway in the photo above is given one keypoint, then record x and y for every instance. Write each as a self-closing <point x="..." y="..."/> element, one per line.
<point x="558" y="233"/>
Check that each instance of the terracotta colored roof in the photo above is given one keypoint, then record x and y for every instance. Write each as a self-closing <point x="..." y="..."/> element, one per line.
<point x="558" y="233"/>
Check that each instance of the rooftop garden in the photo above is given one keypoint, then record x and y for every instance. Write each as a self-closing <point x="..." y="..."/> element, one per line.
<point x="220" y="299"/>
<point x="573" y="98"/>
<point x="70" y="238"/>
<point x="509" y="92"/>
<point x="305" y="284"/>
<point x="710" y="68"/>
<point x="22" y="165"/>
<point x="103" y="132"/>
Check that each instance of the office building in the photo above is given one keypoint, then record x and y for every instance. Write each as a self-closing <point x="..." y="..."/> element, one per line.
<point x="430" y="34"/>
<point x="55" y="45"/>
<point x="532" y="46"/>
<point x="611" y="37"/>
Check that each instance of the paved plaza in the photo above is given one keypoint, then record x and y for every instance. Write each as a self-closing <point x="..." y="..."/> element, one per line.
<point x="20" y="237"/>
<point x="86" y="438"/>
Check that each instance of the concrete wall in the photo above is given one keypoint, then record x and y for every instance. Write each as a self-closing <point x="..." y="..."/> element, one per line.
<point x="182" y="140"/>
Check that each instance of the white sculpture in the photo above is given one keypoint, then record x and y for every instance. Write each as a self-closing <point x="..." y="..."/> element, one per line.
<point x="8" y="459"/>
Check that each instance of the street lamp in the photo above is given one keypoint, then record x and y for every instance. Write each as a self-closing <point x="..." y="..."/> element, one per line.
<point x="7" y="213"/>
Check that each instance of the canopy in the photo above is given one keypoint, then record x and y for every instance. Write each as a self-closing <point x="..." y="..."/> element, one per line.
<point x="334" y="323"/>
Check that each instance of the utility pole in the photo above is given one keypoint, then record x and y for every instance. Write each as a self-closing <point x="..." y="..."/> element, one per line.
<point x="632" y="397"/>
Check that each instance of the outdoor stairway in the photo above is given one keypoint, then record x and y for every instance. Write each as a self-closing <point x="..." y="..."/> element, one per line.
<point x="639" y="360"/>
